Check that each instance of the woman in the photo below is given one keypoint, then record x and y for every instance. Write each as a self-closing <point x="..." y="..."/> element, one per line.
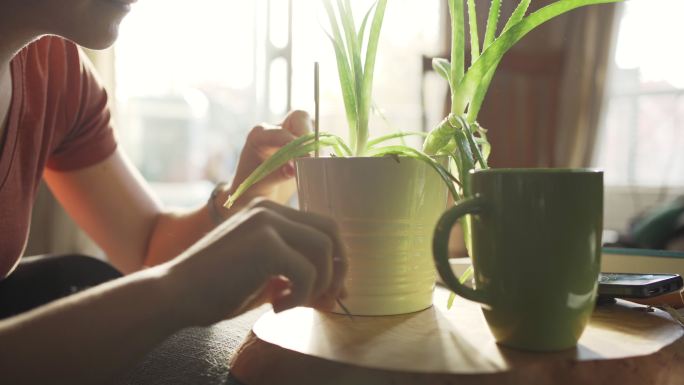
<point x="55" y="124"/>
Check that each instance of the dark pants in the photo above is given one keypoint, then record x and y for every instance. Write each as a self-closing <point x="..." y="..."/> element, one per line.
<point x="42" y="279"/>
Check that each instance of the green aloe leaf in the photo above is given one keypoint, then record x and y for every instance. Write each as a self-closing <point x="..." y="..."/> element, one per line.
<point x="441" y="135"/>
<point x="475" y="149"/>
<point x="344" y="72"/>
<point x="474" y="34"/>
<point x="443" y="68"/>
<point x="353" y="49"/>
<point x="417" y="154"/>
<point x="481" y="92"/>
<point x="344" y="148"/>
<point x="492" y="22"/>
<point x="465" y="153"/>
<point x="355" y="71"/>
<point x="467" y="274"/>
<point x="369" y="69"/>
<point x="457" y="44"/>
<point x="301" y="146"/>
<point x="492" y="55"/>
<point x="397" y="135"/>
<point x="482" y="141"/>
<point x="517" y="14"/>
<point x="362" y="29"/>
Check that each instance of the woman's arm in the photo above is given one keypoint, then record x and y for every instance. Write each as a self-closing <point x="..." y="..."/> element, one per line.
<point x="265" y="253"/>
<point x="114" y="205"/>
<point x="90" y="336"/>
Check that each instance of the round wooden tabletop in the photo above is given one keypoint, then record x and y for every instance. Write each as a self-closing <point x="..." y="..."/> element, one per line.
<point x="623" y="343"/>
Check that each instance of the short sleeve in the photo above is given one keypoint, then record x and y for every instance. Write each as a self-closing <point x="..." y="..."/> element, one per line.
<point x="89" y="138"/>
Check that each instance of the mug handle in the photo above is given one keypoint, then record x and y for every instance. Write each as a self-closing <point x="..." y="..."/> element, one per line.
<point x="440" y="248"/>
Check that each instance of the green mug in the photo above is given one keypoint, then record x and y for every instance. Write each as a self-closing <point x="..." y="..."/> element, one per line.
<point x="536" y="248"/>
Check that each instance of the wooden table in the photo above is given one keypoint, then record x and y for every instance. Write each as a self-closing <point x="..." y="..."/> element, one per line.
<point x="623" y="344"/>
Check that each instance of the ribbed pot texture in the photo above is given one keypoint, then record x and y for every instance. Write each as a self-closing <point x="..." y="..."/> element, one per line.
<point x="387" y="209"/>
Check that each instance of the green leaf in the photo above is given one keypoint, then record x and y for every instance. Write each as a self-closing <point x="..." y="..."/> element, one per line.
<point x="369" y="69"/>
<point x="465" y="153"/>
<point x="413" y="153"/>
<point x="465" y="160"/>
<point x="467" y="88"/>
<point x="482" y="141"/>
<point x="362" y="29"/>
<point x="517" y="14"/>
<point x="356" y="73"/>
<point x="443" y="68"/>
<point x="480" y="93"/>
<point x="457" y="43"/>
<point x="439" y="137"/>
<point x="345" y="74"/>
<point x="337" y="152"/>
<point x="336" y="32"/>
<point x="354" y="51"/>
<point x="458" y="166"/>
<point x="396" y="135"/>
<point x="301" y="146"/>
<point x="450" y="301"/>
<point x="467" y="274"/>
<point x="492" y="22"/>
<point x="474" y="35"/>
<point x="346" y="151"/>
<point x="449" y="148"/>
<point x="475" y="149"/>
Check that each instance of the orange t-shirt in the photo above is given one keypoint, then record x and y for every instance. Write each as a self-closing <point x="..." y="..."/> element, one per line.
<point x="58" y="118"/>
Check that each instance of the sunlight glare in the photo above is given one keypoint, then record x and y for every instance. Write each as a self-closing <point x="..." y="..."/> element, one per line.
<point x="197" y="43"/>
<point x="648" y="40"/>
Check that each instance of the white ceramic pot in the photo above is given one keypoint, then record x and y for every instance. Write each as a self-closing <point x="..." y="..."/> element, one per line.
<point x="387" y="209"/>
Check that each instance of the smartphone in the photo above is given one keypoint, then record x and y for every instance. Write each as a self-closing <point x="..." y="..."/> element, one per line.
<point x="629" y="285"/>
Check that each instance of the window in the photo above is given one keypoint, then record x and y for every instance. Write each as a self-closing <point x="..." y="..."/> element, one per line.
<point x="186" y="91"/>
<point x="411" y="29"/>
<point x="193" y="78"/>
<point x="642" y="141"/>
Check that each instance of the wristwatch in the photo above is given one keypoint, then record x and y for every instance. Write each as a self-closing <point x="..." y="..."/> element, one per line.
<point x="212" y="208"/>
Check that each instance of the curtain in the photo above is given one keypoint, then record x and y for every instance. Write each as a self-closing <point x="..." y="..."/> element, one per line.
<point x="589" y="52"/>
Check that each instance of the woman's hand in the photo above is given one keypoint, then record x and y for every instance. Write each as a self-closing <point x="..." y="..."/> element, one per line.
<point x="264" y="253"/>
<point x="261" y="143"/>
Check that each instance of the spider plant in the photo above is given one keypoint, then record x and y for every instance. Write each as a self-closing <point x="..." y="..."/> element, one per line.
<point x="459" y="135"/>
<point x="355" y="53"/>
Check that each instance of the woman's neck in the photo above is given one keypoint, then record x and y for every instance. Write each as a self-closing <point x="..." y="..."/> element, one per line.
<point x="13" y="37"/>
<point x="15" y="33"/>
<point x="12" y="40"/>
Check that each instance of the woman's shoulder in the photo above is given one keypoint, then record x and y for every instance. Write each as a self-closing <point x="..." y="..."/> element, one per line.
<point x="48" y="52"/>
<point x="63" y="102"/>
<point x="54" y="69"/>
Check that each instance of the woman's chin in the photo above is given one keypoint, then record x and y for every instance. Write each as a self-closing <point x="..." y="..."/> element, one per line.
<point x="94" y="42"/>
<point x="97" y="26"/>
